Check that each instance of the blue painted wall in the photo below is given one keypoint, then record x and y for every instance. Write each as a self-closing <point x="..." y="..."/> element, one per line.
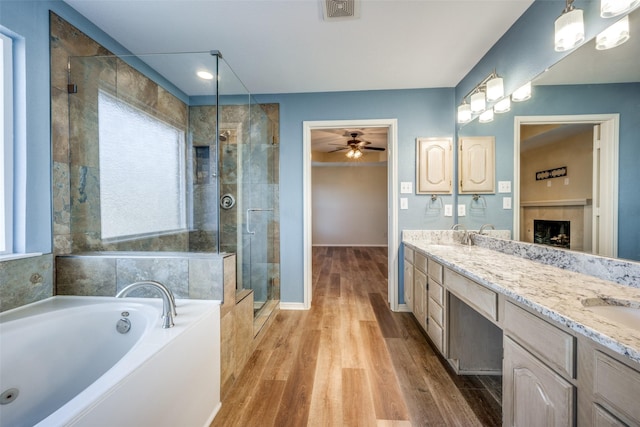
<point x="420" y="112"/>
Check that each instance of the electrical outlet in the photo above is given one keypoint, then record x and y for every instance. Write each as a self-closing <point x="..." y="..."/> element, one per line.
<point x="504" y="186"/>
<point x="448" y="210"/>
<point x="462" y="210"/>
<point x="406" y="187"/>
<point x="506" y="203"/>
<point x="404" y="203"/>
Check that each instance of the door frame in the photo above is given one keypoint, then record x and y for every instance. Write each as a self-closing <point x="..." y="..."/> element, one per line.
<point x="605" y="174"/>
<point x="392" y="204"/>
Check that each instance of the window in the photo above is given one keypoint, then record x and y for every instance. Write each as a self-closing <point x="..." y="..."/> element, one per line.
<point x="142" y="172"/>
<point x="6" y="145"/>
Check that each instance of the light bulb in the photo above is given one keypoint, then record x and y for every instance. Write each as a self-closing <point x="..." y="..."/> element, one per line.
<point x="478" y="102"/>
<point x="522" y="93"/>
<point x="613" y="36"/>
<point x="495" y="89"/>
<point x="350" y="154"/>
<point x="464" y="113"/>
<point x="486" y="117"/>
<point x="357" y="154"/>
<point x="569" y="30"/>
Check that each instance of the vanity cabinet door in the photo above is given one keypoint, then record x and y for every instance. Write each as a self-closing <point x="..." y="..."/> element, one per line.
<point x="533" y="395"/>
<point x="408" y="284"/>
<point x="434" y="165"/>
<point x="420" y="297"/>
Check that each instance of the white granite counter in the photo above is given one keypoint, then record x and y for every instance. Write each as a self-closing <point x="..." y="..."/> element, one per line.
<point x="553" y="292"/>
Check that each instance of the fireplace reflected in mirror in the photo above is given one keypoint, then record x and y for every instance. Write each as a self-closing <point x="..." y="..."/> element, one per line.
<point x="552" y="233"/>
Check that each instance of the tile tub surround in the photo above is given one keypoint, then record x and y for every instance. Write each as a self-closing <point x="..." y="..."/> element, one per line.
<point x="553" y="292"/>
<point x="25" y="280"/>
<point x="188" y="275"/>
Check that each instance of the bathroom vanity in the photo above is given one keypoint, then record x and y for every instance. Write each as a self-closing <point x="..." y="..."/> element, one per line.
<point x="567" y="343"/>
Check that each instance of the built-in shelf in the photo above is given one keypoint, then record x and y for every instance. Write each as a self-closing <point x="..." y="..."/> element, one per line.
<point x="548" y="203"/>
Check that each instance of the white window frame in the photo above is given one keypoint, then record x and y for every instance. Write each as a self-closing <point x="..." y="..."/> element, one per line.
<point x="6" y="145"/>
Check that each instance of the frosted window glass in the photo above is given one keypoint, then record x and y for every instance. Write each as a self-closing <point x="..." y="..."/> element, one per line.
<point x="142" y="188"/>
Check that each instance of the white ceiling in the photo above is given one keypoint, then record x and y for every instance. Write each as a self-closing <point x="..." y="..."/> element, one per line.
<point x="277" y="46"/>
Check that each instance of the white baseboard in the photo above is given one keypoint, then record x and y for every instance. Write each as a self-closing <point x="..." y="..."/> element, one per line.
<point x="403" y="308"/>
<point x="372" y="245"/>
<point x="292" y="306"/>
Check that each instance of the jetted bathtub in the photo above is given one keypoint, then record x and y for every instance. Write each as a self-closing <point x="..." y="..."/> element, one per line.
<point x="64" y="363"/>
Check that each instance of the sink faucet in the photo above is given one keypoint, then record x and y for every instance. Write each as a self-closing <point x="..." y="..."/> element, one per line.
<point x="466" y="237"/>
<point x="168" y="300"/>
<point x="484" y="226"/>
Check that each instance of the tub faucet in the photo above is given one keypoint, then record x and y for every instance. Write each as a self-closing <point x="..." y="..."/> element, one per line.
<point x="484" y="226"/>
<point x="168" y="300"/>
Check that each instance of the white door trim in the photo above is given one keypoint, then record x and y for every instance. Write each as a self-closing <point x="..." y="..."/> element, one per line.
<point x="608" y="179"/>
<point x="392" y="190"/>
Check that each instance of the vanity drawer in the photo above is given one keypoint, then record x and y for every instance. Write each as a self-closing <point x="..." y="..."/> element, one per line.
<point x="408" y="254"/>
<point x="551" y="344"/>
<point x="617" y="384"/>
<point x="436" y="291"/>
<point x="435" y="311"/>
<point x="435" y="270"/>
<point x="420" y="262"/>
<point x="484" y="300"/>
<point x="435" y="333"/>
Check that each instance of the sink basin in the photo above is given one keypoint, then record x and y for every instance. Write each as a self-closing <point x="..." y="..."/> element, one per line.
<point x="623" y="312"/>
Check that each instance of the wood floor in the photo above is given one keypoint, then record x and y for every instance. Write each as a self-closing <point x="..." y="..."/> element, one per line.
<point x="350" y="361"/>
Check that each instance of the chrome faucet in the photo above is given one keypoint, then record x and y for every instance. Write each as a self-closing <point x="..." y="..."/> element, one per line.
<point x="168" y="300"/>
<point x="484" y="226"/>
<point x="466" y="237"/>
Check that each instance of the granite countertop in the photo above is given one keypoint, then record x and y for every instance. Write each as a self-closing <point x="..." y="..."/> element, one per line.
<point x="553" y="292"/>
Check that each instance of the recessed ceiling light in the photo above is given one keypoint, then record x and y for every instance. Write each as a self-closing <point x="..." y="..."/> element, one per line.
<point x="205" y="75"/>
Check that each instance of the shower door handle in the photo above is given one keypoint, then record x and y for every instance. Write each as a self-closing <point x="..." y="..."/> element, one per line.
<point x="249" y="217"/>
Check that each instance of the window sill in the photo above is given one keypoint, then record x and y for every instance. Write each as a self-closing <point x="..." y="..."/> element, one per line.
<point x="12" y="257"/>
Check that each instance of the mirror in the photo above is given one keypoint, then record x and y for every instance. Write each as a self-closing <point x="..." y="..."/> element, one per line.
<point x="589" y="84"/>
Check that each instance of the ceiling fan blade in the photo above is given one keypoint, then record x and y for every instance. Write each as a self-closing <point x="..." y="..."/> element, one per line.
<point x="373" y="148"/>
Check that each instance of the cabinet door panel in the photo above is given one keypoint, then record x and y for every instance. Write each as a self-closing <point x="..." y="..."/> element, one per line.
<point x="408" y="285"/>
<point x="434" y="158"/>
<point x="534" y="395"/>
<point x="477" y="164"/>
<point x="419" y="297"/>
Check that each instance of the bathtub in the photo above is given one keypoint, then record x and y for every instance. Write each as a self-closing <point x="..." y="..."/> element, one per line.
<point x="63" y="363"/>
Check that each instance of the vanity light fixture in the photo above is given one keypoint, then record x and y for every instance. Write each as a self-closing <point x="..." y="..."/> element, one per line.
<point x="464" y="113"/>
<point x="486" y="116"/>
<point x="613" y="36"/>
<point x="205" y="75"/>
<point x="522" y="93"/>
<point x="478" y="102"/>
<point x="503" y="105"/>
<point x="611" y="8"/>
<point x="569" y="28"/>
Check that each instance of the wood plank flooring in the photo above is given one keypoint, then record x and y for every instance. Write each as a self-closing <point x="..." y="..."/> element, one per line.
<point x="350" y="361"/>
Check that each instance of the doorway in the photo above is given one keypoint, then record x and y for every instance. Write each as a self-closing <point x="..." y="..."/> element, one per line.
<point x="392" y="222"/>
<point x="602" y="207"/>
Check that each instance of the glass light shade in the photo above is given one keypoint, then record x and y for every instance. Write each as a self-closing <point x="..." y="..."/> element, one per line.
<point x="495" y="89"/>
<point x="569" y="30"/>
<point x="503" y="105"/>
<point x="522" y="93"/>
<point x="357" y="154"/>
<point x="464" y="113"/>
<point x="611" y="8"/>
<point x="486" y="117"/>
<point x="613" y="36"/>
<point x="350" y="154"/>
<point x="205" y="75"/>
<point x="478" y="102"/>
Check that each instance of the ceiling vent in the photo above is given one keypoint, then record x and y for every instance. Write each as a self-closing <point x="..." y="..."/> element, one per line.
<point x="340" y="9"/>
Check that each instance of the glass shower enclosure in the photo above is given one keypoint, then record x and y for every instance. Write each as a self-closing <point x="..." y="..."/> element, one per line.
<point x="170" y="152"/>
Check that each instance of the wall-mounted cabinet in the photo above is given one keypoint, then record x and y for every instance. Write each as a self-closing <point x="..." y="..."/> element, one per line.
<point x="434" y="165"/>
<point x="476" y="165"/>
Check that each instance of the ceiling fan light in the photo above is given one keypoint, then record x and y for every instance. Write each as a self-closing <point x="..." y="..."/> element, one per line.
<point x="495" y="89"/>
<point x="569" y="29"/>
<point x="464" y="113"/>
<point x="350" y="154"/>
<point x="611" y="8"/>
<point x="502" y="106"/>
<point x="522" y="93"/>
<point x="486" y="116"/>
<point x="357" y="154"/>
<point x="613" y="36"/>
<point x="478" y="102"/>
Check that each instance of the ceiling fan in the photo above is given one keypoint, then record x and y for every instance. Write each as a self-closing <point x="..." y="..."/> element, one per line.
<point x="355" y="147"/>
